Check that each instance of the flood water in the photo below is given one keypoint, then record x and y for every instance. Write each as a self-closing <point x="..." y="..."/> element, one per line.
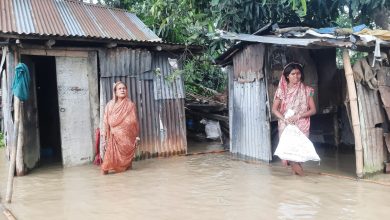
<point x="206" y="186"/>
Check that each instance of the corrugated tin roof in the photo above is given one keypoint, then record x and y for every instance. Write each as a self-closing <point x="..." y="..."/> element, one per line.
<point x="280" y="40"/>
<point x="71" y="18"/>
<point x="307" y="42"/>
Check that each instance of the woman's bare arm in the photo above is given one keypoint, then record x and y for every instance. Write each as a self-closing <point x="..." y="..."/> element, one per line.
<point x="312" y="109"/>
<point x="275" y="109"/>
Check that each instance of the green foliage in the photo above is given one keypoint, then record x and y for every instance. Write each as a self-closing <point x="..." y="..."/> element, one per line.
<point x="200" y="71"/>
<point x="188" y="22"/>
<point x="2" y="142"/>
<point x="247" y="16"/>
<point x="362" y="11"/>
<point x="175" y="21"/>
<point x="196" y="21"/>
<point x="354" y="55"/>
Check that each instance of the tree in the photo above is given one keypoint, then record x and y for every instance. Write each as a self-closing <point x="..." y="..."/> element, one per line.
<point x="187" y="22"/>
<point x="195" y="21"/>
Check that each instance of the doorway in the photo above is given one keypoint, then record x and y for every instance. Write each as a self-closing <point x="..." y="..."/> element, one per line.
<point x="48" y="112"/>
<point x="330" y="128"/>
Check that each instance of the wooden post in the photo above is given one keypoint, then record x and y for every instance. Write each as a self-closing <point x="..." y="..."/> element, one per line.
<point x="336" y="130"/>
<point x="13" y="146"/>
<point x="19" y="147"/>
<point x="354" y="113"/>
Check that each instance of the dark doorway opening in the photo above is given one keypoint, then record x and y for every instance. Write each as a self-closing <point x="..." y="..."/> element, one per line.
<point x="48" y="115"/>
<point x="207" y="127"/>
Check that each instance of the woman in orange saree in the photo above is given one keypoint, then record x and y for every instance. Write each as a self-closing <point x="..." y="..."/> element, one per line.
<point x="292" y="94"/>
<point x="120" y="131"/>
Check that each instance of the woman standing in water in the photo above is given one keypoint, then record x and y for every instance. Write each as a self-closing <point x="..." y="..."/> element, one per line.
<point x="292" y="94"/>
<point x="120" y="131"/>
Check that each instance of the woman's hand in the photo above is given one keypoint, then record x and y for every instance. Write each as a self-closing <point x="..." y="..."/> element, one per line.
<point x="293" y="119"/>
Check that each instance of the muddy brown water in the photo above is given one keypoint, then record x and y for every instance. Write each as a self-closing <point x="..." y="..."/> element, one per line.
<point x="208" y="186"/>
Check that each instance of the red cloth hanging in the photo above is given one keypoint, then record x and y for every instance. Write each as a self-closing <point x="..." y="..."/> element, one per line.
<point x="98" y="159"/>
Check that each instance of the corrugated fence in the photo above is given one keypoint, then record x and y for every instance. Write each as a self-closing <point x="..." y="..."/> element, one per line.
<point x="161" y="117"/>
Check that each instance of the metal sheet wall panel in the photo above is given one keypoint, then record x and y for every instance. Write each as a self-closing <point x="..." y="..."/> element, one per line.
<point x="371" y="115"/>
<point x="371" y="106"/>
<point x="71" y="18"/>
<point x="166" y="89"/>
<point x="249" y="62"/>
<point x="162" y="122"/>
<point x="250" y="126"/>
<point x="126" y="62"/>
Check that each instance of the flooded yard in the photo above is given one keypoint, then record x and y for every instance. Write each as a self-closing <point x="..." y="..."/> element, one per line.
<point x="206" y="186"/>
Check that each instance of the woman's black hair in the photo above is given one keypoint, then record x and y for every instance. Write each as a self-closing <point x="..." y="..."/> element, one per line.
<point x="292" y="66"/>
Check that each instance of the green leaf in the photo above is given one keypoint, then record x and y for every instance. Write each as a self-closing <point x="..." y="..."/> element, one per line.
<point x="304" y="7"/>
<point x="214" y="2"/>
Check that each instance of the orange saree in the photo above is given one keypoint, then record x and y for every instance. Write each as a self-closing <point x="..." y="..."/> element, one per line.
<point x="120" y="130"/>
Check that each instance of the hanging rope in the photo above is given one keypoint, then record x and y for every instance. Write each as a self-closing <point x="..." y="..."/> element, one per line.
<point x="21" y="82"/>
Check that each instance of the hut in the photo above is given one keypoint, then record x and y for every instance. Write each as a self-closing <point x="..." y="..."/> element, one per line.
<point x="255" y="64"/>
<point x="75" y="51"/>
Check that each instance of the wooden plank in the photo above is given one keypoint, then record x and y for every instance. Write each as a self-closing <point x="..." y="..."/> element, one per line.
<point x="13" y="150"/>
<point x="60" y="53"/>
<point x="74" y="103"/>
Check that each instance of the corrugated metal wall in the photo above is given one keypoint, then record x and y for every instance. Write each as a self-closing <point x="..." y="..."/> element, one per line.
<point x="166" y="89"/>
<point x="162" y="120"/>
<point x="371" y="115"/>
<point x="250" y="128"/>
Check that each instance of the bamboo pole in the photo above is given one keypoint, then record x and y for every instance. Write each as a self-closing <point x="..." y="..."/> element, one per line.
<point x="354" y="113"/>
<point x="13" y="146"/>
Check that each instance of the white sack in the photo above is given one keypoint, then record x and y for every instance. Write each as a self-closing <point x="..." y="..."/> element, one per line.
<point x="295" y="146"/>
<point x="212" y="128"/>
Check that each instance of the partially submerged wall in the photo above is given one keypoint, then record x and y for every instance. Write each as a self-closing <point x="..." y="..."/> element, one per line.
<point x="373" y="123"/>
<point x="249" y="104"/>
